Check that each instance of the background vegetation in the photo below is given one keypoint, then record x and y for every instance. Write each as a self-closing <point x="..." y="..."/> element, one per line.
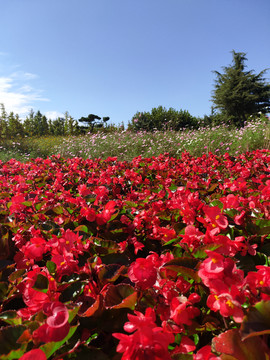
<point x="126" y="144"/>
<point x="238" y="122"/>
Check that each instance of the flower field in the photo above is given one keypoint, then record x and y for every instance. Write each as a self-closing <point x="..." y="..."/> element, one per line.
<point x="155" y="258"/>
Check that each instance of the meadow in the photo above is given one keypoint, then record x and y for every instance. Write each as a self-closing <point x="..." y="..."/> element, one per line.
<point x="126" y="145"/>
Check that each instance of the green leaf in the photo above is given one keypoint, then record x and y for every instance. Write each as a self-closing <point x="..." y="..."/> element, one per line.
<point x="52" y="347"/>
<point x="3" y="290"/>
<point x="72" y="313"/>
<point x="51" y="266"/>
<point x="263" y="223"/>
<point x="41" y="284"/>
<point x="217" y="203"/>
<point x="170" y="241"/>
<point x="16" y="275"/>
<point x="173" y="187"/>
<point x="58" y="209"/>
<point x="200" y="253"/>
<point x="10" y="317"/>
<point x="82" y="228"/>
<point x="105" y="246"/>
<point x="15" y="354"/>
<point x="27" y="203"/>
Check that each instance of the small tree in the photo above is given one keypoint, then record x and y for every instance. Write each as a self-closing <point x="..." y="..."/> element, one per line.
<point x="92" y="121"/>
<point x="239" y="94"/>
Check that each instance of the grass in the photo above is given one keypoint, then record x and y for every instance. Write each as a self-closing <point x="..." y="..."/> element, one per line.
<point x="127" y="144"/>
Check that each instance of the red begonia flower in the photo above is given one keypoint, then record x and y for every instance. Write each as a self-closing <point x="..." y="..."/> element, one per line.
<point x="35" y="354"/>
<point x="143" y="273"/>
<point x="57" y="326"/>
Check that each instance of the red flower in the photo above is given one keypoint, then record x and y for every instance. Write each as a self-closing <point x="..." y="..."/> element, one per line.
<point x="57" y="326"/>
<point x="214" y="217"/>
<point x="149" y="341"/>
<point x="181" y="312"/>
<point x="89" y="214"/>
<point x="186" y="346"/>
<point x="205" y="354"/>
<point x="35" y="248"/>
<point x="34" y="355"/>
<point x="106" y="214"/>
<point x="212" y="267"/>
<point x="139" y="320"/>
<point x="227" y="304"/>
<point x="143" y="273"/>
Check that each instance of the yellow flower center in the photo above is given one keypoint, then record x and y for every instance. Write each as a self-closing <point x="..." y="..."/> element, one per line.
<point x="230" y="304"/>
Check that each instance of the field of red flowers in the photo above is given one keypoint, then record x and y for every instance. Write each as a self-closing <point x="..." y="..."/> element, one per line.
<point x="157" y="258"/>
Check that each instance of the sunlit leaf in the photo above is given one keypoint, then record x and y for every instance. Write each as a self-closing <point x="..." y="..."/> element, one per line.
<point x="14" y="354"/>
<point x="10" y="317"/>
<point x="50" y="348"/>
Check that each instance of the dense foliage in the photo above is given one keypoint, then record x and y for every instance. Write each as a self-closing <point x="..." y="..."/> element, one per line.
<point x="239" y="94"/>
<point x="156" y="258"/>
<point x="162" y="119"/>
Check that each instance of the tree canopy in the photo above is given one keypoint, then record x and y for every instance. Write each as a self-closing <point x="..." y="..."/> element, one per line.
<point x="239" y="94"/>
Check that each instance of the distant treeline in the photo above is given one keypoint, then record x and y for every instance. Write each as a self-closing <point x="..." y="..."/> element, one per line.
<point x="161" y="119"/>
<point x="37" y="124"/>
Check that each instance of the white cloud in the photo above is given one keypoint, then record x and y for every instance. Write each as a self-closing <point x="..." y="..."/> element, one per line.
<point x="53" y="114"/>
<point x="17" y="94"/>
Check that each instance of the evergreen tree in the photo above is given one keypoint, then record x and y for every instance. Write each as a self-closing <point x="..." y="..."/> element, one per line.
<point x="28" y="124"/>
<point x="41" y="126"/>
<point x="15" y="127"/>
<point x="238" y="93"/>
<point x="58" y="126"/>
<point x="71" y="125"/>
<point x="3" y="122"/>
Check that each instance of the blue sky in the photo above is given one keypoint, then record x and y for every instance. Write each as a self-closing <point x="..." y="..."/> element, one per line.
<point x="116" y="57"/>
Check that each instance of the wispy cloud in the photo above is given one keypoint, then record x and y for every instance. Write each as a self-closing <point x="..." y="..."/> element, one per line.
<point x="17" y="93"/>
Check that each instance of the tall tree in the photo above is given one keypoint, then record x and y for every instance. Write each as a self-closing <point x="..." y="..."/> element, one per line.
<point x="41" y="126"/>
<point x="29" y="124"/>
<point x="239" y="93"/>
<point x="3" y="122"/>
<point x="15" y="127"/>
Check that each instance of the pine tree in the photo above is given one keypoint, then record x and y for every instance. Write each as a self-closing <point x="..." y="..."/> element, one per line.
<point x="238" y="93"/>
